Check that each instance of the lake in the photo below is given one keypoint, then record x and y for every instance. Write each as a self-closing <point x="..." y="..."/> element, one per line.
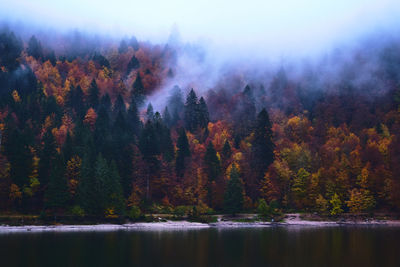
<point x="271" y="246"/>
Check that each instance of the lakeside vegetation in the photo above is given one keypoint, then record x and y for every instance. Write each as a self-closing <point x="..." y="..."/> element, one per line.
<point x="80" y="140"/>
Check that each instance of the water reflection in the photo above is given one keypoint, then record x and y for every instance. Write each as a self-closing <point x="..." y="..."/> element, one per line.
<point x="276" y="246"/>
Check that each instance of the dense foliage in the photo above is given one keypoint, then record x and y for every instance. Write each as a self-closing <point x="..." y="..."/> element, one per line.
<point x="74" y="137"/>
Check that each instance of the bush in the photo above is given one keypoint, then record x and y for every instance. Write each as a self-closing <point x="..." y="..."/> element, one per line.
<point x="77" y="211"/>
<point x="182" y="210"/>
<point x="263" y="209"/>
<point x="134" y="213"/>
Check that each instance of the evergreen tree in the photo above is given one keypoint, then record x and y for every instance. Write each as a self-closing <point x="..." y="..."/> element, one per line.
<point x="47" y="156"/>
<point x="167" y="117"/>
<point x="133" y="118"/>
<point x="138" y="93"/>
<point x="150" y="112"/>
<point x="191" y="112"/>
<point x="119" y="106"/>
<point x="212" y="163"/>
<point x="182" y="154"/>
<point x="203" y="115"/>
<point x="93" y="97"/>
<point x="226" y="150"/>
<point x="57" y="191"/>
<point x="263" y="146"/>
<point x="114" y="192"/>
<point x="105" y="103"/>
<point x="133" y="64"/>
<point x="175" y="104"/>
<point x="123" y="47"/>
<point x="35" y="48"/>
<point x="233" y="198"/>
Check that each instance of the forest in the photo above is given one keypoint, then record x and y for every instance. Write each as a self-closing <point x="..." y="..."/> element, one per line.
<point x="80" y="137"/>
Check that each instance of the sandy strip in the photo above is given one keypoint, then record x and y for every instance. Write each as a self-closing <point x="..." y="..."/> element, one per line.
<point x="291" y="220"/>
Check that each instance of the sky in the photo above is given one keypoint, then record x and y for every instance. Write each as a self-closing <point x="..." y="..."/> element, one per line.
<point x="251" y="26"/>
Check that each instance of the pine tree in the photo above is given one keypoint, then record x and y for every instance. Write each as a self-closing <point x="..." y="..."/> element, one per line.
<point x="119" y="105"/>
<point x="123" y="47"/>
<point x="47" y="156"/>
<point x="175" y="104"/>
<point x="203" y="115"/>
<point x="212" y="163"/>
<point x="167" y="117"/>
<point x="35" y="48"/>
<point x="105" y="103"/>
<point x="138" y="92"/>
<point x="233" y="199"/>
<point x="191" y="112"/>
<point x="57" y="191"/>
<point x="263" y="146"/>
<point x="115" y="199"/>
<point x="133" y="118"/>
<point x="182" y="154"/>
<point x="150" y="112"/>
<point x="133" y="64"/>
<point x="226" y="150"/>
<point x="93" y="97"/>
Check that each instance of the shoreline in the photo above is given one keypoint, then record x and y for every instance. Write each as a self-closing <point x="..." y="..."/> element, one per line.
<point x="291" y="220"/>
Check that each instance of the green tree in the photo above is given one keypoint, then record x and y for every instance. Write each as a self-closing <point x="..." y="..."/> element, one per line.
<point x="336" y="204"/>
<point x="203" y="115"/>
<point x="182" y="154"/>
<point x="191" y="112"/>
<point x="234" y="199"/>
<point x="57" y="194"/>
<point x="212" y="163"/>
<point x="93" y="98"/>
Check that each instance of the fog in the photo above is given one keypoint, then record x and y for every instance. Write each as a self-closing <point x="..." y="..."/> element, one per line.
<point x="217" y="38"/>
<point x="254" y="27"/>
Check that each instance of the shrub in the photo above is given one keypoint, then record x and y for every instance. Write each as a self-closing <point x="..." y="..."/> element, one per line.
<point x="134" y="213"/>
<point x="77" y="211"/>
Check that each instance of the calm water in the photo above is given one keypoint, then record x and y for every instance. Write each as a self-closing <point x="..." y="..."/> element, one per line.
<point x="277" y="246"/>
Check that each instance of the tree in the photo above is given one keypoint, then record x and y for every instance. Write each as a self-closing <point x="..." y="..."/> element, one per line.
<point x="175" y="104"/>
<point x="119" y="105"/>
<point x="360" y="200"/>
<point x="212" y="163"/>
<point x="138" y="93"/>
<point x="133" y="64"/>
<point x="123" y="47"/>
<point x="57" y="190"/>
<point x="191" y="112"/>
<point x="262" y="152"/>
<point x="336" y="204"/>
<point x="203" y="115"/>
<point x="263" y="209"/>
<point x="35" y="48"/>
<point x="93" y="98"/>
<point x="133" y="118"/>
<point x="299" y="188"/>
<point x="150" y="112"/>
<point x="182" y="154"/>
<point x="233" y="199"/>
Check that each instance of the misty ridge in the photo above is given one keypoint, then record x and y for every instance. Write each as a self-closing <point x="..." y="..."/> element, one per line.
<point x="193" y="128"/>
<point x="363" y="67"/>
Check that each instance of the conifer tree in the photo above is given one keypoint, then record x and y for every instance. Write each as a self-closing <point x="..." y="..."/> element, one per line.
<point x="138" y="92"/>
<point x="93" y="97"/>
<point x="203" y="115"/>
<point x="57" y="191"/>
<point x="212" y="163"/>
<point x="191" y="112"/>
<point x="233" y="198"/>
<point x="182" y="154"/>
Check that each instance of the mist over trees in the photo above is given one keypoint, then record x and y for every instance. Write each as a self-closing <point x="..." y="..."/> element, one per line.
<point x="79" y="133"/>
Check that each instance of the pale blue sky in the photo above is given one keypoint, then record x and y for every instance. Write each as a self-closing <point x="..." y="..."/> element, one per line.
<point x="247" y="24"/>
